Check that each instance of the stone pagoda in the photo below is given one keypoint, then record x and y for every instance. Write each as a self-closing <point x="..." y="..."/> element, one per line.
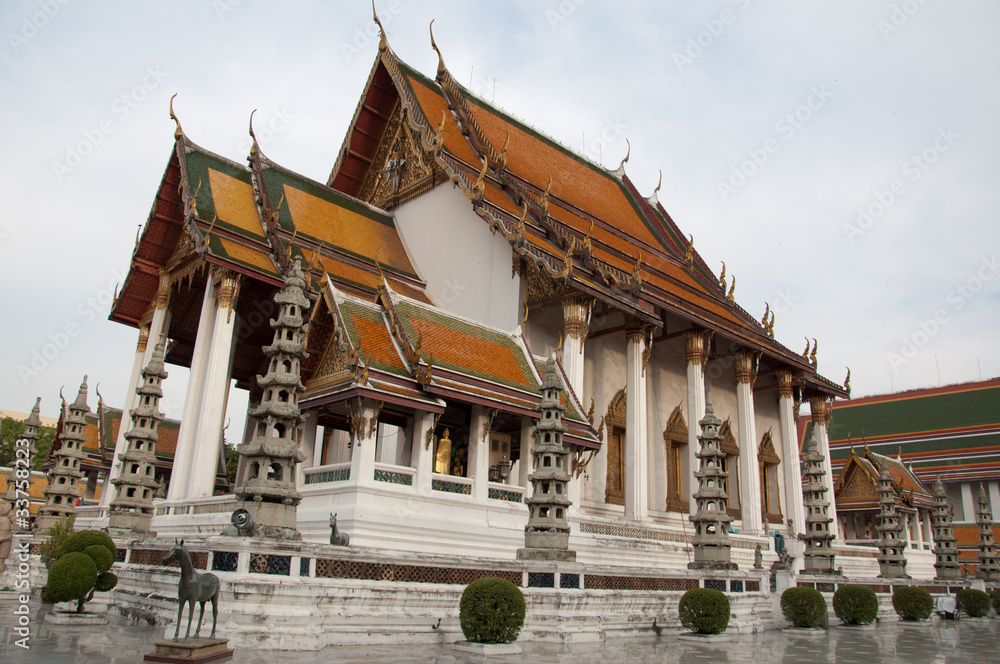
<point x="546" y="537"/>
<point x="135" y="486"/>
<point x="891" y="560"/>
<point x="989" y="562"/>
<point x="712" y="548"/>
<point x="819" y="556"/>
<point x="945" y="550"/>
<point x="61" y="494"/>
<point x="265" y="481"/>
<point x="31" y="425"/>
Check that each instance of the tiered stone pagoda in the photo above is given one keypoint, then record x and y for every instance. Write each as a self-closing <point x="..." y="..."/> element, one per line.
<point x="31" y="425"/>
<point x="546" y="537"/>
<point x="132" y="507"/>
<point x="61" y="494"/>
<point x="712" y="547"/>
<point x="945" y="551"/>
<point x="989" y="562"/>
<point x="891" y="560"/>
<point x="265" y="481"/>
<point x="819" y="556"/>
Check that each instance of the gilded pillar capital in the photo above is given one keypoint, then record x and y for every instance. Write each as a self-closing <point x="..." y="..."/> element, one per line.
<point x="163" y="291"/>
<point x="784" y="377"/>
<point x="227" y="289"/>
<point x="694" y="345"/>
<point x="576" y="315"/>
<point x="635" y="330"/>
<point x="140" y="346"/>
<point x="817" y="405"/>
<point x="746" y="367"/>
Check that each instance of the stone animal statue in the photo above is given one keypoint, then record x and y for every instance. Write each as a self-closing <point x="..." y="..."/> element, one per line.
<point x="337" y="538"/>
<point x="193" y="587"/>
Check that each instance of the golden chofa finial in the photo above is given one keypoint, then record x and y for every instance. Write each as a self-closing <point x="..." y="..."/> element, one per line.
<point x="767" y="312"/>
<point x="378" y="266"/>
<point x="732" y="290"/>
<point x="847" y="382"/>
<point x="812" y="355"/>
<point x="722" y="277"/>
<point x="178" y="132"/>
<point x="441" y="68"/>
<point x="382" y="43"/>
<point x="502" y="158"/>
<point x="254" y="149"/>
<point x="805" y="353"/>
<point x="689" y="252"/>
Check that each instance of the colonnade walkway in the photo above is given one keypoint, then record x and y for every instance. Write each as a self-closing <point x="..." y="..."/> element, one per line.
<point x="940" y="642"/>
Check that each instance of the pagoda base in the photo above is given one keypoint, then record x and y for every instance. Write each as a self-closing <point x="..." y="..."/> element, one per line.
<point x="193" y="650"/>
<point x="135" y="522"/>
<point x="271" y="520"/>
<point x="713" y="557"/>
<point x="713" y="565"/>
<point x="559" y="555"/>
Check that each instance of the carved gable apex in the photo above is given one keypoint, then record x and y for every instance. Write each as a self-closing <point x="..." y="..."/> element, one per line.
<point x="677" y="428"/>
<point x="616" y="410"/>
<point x="729" y="445"/>
<point x="857" y="488"/>
<point x="401" y="168"/>
<point x="766" y="452"/>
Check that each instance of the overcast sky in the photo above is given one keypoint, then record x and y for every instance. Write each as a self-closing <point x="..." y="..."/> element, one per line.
<point x="841" y="158"/>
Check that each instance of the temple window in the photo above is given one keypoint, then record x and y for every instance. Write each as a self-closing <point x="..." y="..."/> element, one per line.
<point x="675" y="438"/>
<point x="614" y="485"/>
<point x="768" y="460"/>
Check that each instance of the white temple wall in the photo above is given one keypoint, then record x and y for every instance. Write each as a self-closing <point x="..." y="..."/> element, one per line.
<point x="604" y="375"/>
<point x="543" y="330"/>
<point x="467" y="269"/>
<point x="666" y="388"/>
<point x="765" y="405"/>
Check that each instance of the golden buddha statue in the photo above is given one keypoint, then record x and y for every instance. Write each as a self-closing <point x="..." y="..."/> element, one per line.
<point x="442" y="456"/>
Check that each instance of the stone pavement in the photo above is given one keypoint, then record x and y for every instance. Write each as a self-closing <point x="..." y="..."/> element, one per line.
<point x="965" y="642"/>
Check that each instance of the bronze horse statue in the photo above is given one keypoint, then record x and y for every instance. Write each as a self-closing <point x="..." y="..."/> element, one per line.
<point x="193" y="587"/>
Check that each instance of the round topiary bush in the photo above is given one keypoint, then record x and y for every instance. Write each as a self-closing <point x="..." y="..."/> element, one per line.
<point x="704" y="610"/>
<point x="70" y="577"/>
<point x="995" y="596"/>
<point x="855" y="605"/>
<point x="491" y="611"/>
<point x="80" y="540"/>
<point x="803" y="607"/>
<point x="105" y="582"/>
<point x="103" y="558"/>
<point x="912" y="603"/>
<point x="973" y="603"/>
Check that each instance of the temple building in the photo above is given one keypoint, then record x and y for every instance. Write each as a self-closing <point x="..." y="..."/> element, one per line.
<point x="950" y="433"/>
<point x="450" y="252"/>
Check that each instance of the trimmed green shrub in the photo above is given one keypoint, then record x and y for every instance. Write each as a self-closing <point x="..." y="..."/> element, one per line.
<point x="973" y="603"/>
<point x="491" y="611"/>
<point x="103" y="558"/>
<point x="995" y="596"/>
<point x="704" y="610"/>
<point x="912" y="603"/>
<point x="105" y="582"/>
<point x="71" y="577"/>
<point x="803" y="607"/>
<point x="81" y="568"/>
<point x="80" y="540"/>
<point x="855" y="605"/>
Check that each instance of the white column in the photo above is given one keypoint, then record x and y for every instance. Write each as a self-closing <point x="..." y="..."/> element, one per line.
<point x="364" y="440"/>
<point x="695" y="354"/>
<point x="817" y="406"/>
<point x="191" y="415"/>
<point x="968" y="503"/>
<point x="338" y="446"/>
<point x="993" y="490"/>
<point x="479" y="454"/>
<point x="635" y="426"/>
<point x="319" y="448"/>
<point x="422" y="452"/>
<point x="918" y="520"/>
<point x="791" y="467"/>
<point x="218" y="370"/>
<point x="749" y="467"/>
<point x="527" y="462"/>
<point x="307" y="445"/>
<point x="576" y="322"/>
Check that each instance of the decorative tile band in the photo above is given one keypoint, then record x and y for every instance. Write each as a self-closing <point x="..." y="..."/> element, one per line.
<point x="753" y="586"/>
<point x="509" y="496"/>
<point x="265" y="563"/>
<point x="451" y="487"/>
<point x="304" y="567"/>
<point x="155" y="557"/>
<point x="716" y="584"/>
<point x="569" y="580"/>
<point x="341" y="475"/>
<point x="603" y="582"/>
<point x="541" y="580"/>
<point x="344" y="569"/>
<point x="120" y="555"/>
<point x="393" y="478"/>
<point x="225" y="561"/>
<point x="735" y="585"/>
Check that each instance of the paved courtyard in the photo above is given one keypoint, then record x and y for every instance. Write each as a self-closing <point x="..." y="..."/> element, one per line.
<point x="966" y="642"/>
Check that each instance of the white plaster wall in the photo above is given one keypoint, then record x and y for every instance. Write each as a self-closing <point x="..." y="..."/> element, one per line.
<point x="765" y="405"/>
<point x="667" y="387"/>
<point x="467" y="269"/>
<point x="542" y="331"/>
<point x="603" y="376"/>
